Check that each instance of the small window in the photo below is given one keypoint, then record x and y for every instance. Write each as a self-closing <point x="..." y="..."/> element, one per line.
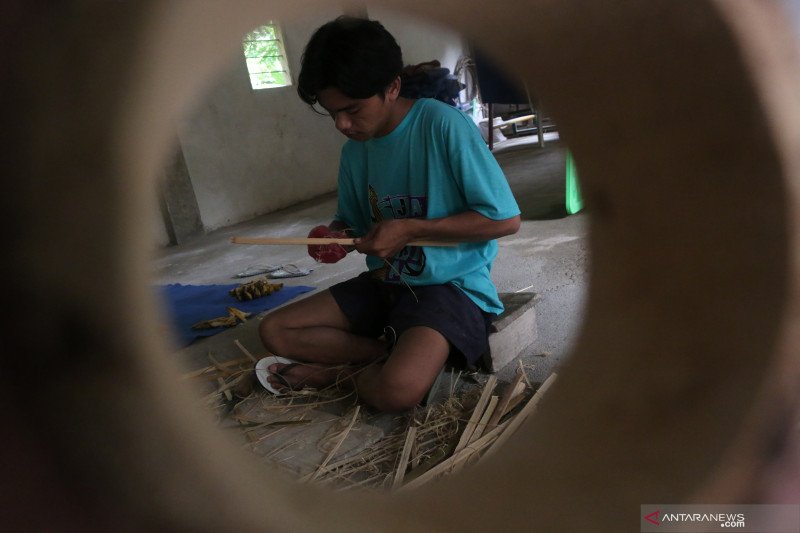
<point x="266" y="57"/>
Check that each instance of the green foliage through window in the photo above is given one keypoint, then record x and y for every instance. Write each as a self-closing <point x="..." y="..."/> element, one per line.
<point x="266" y="57"/>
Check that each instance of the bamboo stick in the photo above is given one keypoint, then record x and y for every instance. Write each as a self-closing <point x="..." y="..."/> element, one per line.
<point x="335" y="449"/>
<point x="415" y="455"/>
<point x="509" y="392"/>
<point x="488" y="388"/>
<point x="209" y="369"/>
<point x="516" y="396"/>
<point x="479" y="429"/>
<point x="321" y="240"/>
<point x="515" y="120"/>
<point x="517" y="421"/>
<point x="456" y="459"/>
<point x="245" y="350"/>
<point x="358" y="458"/>
<point x="490" y="442"/>
<point x="225" y="388"/>
<point x="220" y="368"/>
<point x="401" y="468"/>
<point x="484" y="421"/>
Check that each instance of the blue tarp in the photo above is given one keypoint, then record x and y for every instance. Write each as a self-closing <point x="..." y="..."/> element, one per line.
<point x="189" y="304"/>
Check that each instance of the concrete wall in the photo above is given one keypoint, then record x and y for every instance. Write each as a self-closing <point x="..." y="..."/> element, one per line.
<point x="253" y="152"/>
<point x="421" y="40"/>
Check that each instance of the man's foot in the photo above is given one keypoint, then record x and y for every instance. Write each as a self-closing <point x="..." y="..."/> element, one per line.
<point x="296" y="376"/>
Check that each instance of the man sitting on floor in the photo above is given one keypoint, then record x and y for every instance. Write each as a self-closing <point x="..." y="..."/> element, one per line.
<point x="411" y="170"/>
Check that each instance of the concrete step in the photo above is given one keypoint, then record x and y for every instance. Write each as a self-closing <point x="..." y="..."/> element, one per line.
<point x="514" y="330"/>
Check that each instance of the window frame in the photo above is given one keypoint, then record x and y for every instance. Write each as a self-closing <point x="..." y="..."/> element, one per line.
<point x="257" y="82"/>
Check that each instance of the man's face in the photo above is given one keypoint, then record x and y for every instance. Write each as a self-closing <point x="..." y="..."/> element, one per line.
<point x="359" y="119"/>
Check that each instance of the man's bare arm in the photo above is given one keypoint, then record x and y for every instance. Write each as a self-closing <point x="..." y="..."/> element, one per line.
<point x="387" y="238"/>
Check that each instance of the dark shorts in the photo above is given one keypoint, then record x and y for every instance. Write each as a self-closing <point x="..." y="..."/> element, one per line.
<point x="371" y="305"/>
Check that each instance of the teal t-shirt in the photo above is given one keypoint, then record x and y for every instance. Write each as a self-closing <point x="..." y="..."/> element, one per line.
<point x="432" y="165"/>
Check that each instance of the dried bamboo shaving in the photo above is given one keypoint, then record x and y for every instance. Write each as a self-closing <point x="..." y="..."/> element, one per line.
<point x="341" y="439"/>
<point x="207" y="371"/>
<point x="379" y="463"/>
<point x="435" y="440"/>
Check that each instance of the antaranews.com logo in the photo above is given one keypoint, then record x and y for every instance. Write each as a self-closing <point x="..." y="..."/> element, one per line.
<point x="711" y="518"/>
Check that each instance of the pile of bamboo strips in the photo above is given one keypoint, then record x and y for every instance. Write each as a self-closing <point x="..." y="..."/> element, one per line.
<point x="431" y="442"/>
<point x="437" y="441"/>
<point x="491" y="424"/>
<point x="422" y="441"/>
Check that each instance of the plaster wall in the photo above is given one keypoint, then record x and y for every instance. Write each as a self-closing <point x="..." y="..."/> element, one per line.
<point x="421" y="40"/>
<point x="253" y="152"/>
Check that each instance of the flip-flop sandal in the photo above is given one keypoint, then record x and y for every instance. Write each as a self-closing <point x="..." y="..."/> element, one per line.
<point x="289" y="271"/>
<point x="262" y="372"/>
<point x="255" y="270"/>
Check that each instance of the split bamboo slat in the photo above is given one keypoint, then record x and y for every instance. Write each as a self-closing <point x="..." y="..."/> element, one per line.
<point x="526" y="411"/>
<point x="513" y="389"/>
<point x="455" y="459"/>
<point x="488" y="388"/>
<point x="403" y="463"/>
<point x="489" y="443"/>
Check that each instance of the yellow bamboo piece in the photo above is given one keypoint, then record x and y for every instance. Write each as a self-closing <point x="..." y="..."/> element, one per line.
<point x="518" y="397"/>
<point x="482" y="424"/>
<point x="401" y="468"/>
<point x="321" y="240"/>
<point x="514" y="388"/>
<point x="455" y="459"/>
<point x="488" y="388"/>
<point x="478" y="433"/>
<point x="520" y="417"/>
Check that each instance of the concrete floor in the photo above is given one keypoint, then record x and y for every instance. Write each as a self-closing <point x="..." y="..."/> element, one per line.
<point x="547" y="256"/>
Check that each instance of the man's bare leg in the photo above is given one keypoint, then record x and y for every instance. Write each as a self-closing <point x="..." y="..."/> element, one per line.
<point x="403" y="380"/>
<point x="315" y="331"/>
<point x="398" y="384"/>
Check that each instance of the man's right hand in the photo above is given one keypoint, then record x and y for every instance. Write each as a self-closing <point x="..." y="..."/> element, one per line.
<point x="326" y="253"/>
<point x="386" y="239"/>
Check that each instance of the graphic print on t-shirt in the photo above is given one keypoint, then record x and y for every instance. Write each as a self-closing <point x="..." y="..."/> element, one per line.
<point x="410" y="261"/>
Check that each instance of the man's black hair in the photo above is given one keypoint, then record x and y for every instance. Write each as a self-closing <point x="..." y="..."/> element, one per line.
<point x="356" y="56"/>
